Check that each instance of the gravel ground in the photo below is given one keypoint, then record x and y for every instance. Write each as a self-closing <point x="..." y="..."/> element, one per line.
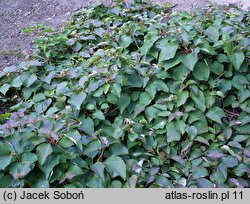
<point x="15" y="15"/>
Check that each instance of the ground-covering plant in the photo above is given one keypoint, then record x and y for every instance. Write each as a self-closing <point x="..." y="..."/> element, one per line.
<point x="131" y="96"/>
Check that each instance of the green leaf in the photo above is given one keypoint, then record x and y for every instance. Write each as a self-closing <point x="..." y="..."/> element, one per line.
<point x="237" y="58"/>
<point x="75" y="137"/>
<point x="215" y="114"/>
<point x="116" y="90"/>
<point x="77" y="100"/>
<point x="29" y="157"/>
<point x="43" y="151"/>
<point x="160" y="124"/>
<point x="98" y="168"/>
<point x="93" y="86"/>
<point x="5" y="161"/>
<point x="241" y="169"/>
<point x="6" y="181"/>
<point x="4" y="149"/>
<point x="123" y="102"/>
<point x="19" y="170"/>
<point x="219" y="175"/>
<point x="17" y="82"/>
<point x="49" y="165"/>
<point x="90" y="107"/>
<point x="38" y="97"/>
<point x="4" y="88"/>
<point x="201" y="71"/>
<point x="172" y="133"/>
<point x="192" y="132"/>
<point x="132" y="136"/>
<point x="73" y="171"/>
<point x="41" y="184"/>
<point x="125" y="41"/>
<point x="99" y="31"/>
<point x="66" y="142"/>
<point x="189" y="60"/>
<point x="93" y="149"/>
<point x="61" y="87"/>
<point x="98" y="115"/>
<point x="148" y="43"/>
<point x="243" y="95"/>
<point x="202" y="140"/>
<point x="171" y="63"/>
<point x="210" y="100"/>
<point x="116" y="166"/>
<point x="199" y="103"/>
<point x="145" y="98"/>
<point x="217" y="68"/>
<point x="168" y="50"/>
<point x="117" y="127"/>
<point x="213" y="33"/>
<point x="199" y="172"/>
<point x="31" y="80"/>
<point x="160" y="86"/>
<point x="163" y="182"/>
<point x="87" y="126"/>
<point x="138" y="109"/>
<point x="204" y="183"/>
<point x="118" y="149"/>
<point x="229" y="161"/>
<point x="151" y="89"/>
<point x="152" y="112"/>
<point x="182" y="98"/>
<point x="94" y="182"/>
<point x="207" y="49"/>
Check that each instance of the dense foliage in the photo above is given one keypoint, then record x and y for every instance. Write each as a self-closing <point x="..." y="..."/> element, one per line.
<point x="131" y="96"/>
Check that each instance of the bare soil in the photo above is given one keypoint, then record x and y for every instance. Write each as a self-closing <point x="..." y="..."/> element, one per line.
<point x="15" y="15"/>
